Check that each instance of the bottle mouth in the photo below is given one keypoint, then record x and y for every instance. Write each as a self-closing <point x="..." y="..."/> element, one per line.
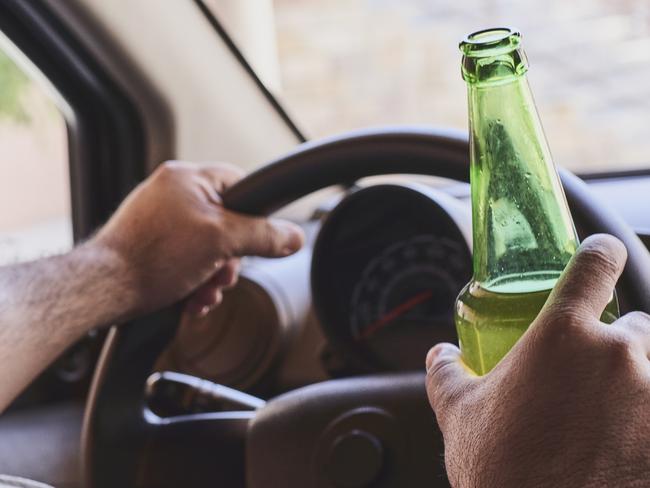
<point x="490" y="42"/>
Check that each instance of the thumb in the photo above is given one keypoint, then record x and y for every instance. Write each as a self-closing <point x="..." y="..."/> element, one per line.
<point x="587" y="283"/>
<point x="258" y="236"/>
<point x="447" y="376"/>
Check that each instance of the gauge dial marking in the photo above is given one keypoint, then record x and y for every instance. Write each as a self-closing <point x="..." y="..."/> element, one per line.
<point x="391" y="315"/>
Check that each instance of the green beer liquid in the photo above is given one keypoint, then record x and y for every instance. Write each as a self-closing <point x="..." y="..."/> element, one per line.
<point x="489" y="322"/>
<point x="523" y="234"/>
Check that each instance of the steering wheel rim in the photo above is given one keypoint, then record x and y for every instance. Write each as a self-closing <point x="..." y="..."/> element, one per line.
<point x="115" y="403"/>
<point x="374" y="153"/>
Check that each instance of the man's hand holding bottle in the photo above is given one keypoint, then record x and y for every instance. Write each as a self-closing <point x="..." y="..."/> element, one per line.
<point x="568" y="406"/>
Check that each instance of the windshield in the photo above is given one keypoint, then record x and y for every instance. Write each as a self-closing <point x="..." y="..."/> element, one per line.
<point x="344" y="64"/>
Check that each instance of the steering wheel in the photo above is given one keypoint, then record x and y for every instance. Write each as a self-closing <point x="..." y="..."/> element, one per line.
<point x="364" y="431"/>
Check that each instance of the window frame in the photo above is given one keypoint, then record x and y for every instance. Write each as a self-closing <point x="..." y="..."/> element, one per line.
<point x="106" y="137"/>
<point x="107" y="149"/>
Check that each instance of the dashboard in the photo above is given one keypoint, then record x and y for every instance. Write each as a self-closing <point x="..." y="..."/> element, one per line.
<point x="372" y="291"/>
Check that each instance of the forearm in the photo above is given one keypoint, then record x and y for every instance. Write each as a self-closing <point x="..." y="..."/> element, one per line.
<point x="48" y="304"/>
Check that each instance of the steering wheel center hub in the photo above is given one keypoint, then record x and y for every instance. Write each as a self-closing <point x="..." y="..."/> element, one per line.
<point x="355" y="460"/>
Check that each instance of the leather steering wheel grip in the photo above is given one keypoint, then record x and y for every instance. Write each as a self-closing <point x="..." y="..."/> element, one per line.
<point x="344" y="159"/>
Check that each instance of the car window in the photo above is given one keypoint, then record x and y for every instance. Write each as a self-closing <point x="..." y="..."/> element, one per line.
<point x="345" y="64"/>
<point x="35" y="217"/>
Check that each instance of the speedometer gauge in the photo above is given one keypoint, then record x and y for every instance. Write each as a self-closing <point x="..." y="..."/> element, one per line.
<point x="387" y="266"/>
<point x="406" y="289"/>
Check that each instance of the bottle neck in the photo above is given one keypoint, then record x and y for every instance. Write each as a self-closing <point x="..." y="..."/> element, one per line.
<point x="522" y="228"/>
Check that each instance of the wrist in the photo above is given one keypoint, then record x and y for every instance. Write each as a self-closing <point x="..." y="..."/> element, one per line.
<point x="112" y="267"/>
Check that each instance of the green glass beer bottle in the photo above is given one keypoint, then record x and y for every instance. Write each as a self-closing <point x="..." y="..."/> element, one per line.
<point x="523" y="234"/>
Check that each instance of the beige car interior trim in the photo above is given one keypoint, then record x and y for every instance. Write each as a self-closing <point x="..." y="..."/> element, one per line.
<point x="198" y="101"/>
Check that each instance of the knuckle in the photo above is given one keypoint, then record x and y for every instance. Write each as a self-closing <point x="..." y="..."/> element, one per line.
<point x="598" y="258"/>
<point x="230" y="168"/>
<point x="568" y="316"/>
<point x="169" y="165"/>
<point x="571" y="318"/>
<point x="168" y="169"/>
<point x="268" y="240"/>
<point x="221" y="176"/>
<point x="638" y="317"/>
<point x="637" y="323"/>
<point x="566" y="329"/>
<point x="621" y="351"/>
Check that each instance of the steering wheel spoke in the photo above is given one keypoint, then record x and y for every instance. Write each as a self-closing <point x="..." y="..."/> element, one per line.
<point x="191" y="450"/>
<point x="364" y="431"/>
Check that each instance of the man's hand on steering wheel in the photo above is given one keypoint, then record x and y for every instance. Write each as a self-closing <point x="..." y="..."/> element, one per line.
<point x="170" y="240"/>
<point x="568" y="406"/>
<point x="179" y="241"/>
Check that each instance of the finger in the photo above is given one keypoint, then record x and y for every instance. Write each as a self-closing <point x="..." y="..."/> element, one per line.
<point x="204" y="299"/>
<point x="446" y="376"/>
<point x="227" y="276"/>
<point x="257" y="236"/>
<point x="587" y="283"/>
<point x="637" y="326"/>
<point x="210" y="294"/>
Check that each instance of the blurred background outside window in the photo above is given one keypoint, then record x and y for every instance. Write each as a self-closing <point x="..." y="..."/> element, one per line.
<point x="344" y="64"/>
<point x="34" y="176"/>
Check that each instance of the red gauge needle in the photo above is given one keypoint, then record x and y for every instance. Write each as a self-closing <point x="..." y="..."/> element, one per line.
<point x="391" y="315"/>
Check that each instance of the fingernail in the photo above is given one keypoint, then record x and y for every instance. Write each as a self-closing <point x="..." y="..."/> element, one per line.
<point x="287" y="251"/>
<point x="430" y="358"/>
<point x="434" y="355"/>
